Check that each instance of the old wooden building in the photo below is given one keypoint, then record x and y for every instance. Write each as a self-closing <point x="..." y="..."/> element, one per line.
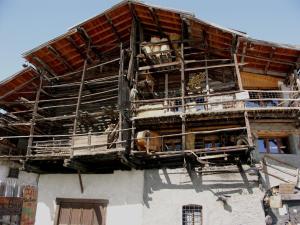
<point x="149" y="115"/>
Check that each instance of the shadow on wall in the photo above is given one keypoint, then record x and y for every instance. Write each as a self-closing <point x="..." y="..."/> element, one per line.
<point x="113" y="187"/>
<point x="222" y="185"/>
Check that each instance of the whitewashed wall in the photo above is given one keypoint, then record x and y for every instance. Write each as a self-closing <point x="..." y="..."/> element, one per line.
<point x="24" y="177"/>
<point x="123" y="190"/>
<point x="166" y="191"/>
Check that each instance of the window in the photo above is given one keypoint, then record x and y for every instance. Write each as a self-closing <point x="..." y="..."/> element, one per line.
<point x="273" y="145"/>
<point x="13" y="173"/>
<point x="192" y="215"/>
<point x="81" y="212"/>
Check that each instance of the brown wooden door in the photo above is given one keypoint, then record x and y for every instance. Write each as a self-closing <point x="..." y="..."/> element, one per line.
<point x="81" y="213"/>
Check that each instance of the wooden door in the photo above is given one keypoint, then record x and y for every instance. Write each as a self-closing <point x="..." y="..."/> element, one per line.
<point x="81" y="213"/>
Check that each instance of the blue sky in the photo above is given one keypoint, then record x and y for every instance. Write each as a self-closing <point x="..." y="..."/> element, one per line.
<point x="24" y="24"/>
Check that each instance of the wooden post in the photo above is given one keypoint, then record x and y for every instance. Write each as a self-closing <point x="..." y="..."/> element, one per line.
<point x="206" y="76"/>
<point x="237" y="71"/>
<point x="121" y="92"/>
<point x="132" y="134"/>
<point x="35" y="109"/>
<point x="249" y="134"/>
<point x="167" y="90"/>
<point x="79" y="98"/>
<point x="80" y="181"/>
<point x="183" y="124"/>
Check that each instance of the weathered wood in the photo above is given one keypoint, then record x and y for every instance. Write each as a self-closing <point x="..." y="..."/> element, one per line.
<point x="237" y="71"/>
<point x="121" y="93"/>
<point x="79" y="97"/>
<point x="17" y="88"/>
<point x="78" y="49"/>
<point x="33" y="120"/>
<point x="60" y="57"/>
<point x="46" y="67"/>
<point x="113" y="28"/>
<point x="249" y="134"/>
<point x="88" y="41"/>
<point x="269" y="62"/>
<point x="183" y="120"/>
<point x="215" y="66"/>
<point x="80" y="181"/>
<point x="206" y="76"/>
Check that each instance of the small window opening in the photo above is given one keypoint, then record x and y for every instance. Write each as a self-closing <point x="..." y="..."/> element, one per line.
<point x="192" y="215"/>
<point x="13" y="173"/>
<point x="273" y="145"/>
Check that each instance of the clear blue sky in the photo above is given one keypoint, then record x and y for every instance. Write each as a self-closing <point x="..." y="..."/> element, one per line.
<point x="24" y="24"/>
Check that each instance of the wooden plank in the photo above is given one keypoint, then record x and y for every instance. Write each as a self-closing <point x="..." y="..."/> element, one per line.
<point x="215" y="66"/>
<point x="237" y="70"/>
<point x="159" y="65"/>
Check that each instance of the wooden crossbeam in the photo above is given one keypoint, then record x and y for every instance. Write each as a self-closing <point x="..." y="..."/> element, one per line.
<point x="79" y="50"/>
<point x="269" y="62"/>
<point x="113" y="28"/>
<point x="133" y="12"/>
<point x="87" y="39"/>
<point x="58" y="56"/>
<point x="46" y="67"/>
<point x="17" y="88"/>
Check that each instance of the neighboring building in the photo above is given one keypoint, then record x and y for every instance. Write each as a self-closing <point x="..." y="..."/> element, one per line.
<point x="145" y="115"/>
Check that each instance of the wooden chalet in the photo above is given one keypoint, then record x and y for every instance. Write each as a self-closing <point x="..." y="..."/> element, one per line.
<point x="140" y="86"/>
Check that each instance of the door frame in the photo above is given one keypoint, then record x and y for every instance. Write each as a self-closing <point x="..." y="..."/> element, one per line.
<point x="102" y="202"/>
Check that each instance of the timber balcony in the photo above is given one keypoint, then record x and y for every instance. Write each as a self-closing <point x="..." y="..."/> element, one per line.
<point x="252" y="101"/>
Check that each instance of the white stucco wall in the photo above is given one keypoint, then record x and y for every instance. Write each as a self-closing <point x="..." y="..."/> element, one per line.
<point x="123" y="190"/>
<point x="24" y="177"/>
<point x="166" y="191"/>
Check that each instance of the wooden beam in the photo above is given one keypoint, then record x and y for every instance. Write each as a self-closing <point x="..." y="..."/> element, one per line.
<point x="237" y="71"/>
<point x="269" y="62"/>
<point x="159" y="65"/>
<point x="249" y="134"/>
<point x="133" y="12"/>
<point x="58" y="56"/>
<point x="121" y="96"/>
<point x="80" y="181"/>
<point x="33" y="120"/>
<point x="215" y="66"/>
<point x="72" y="164"/>
<point x="46" y="67"/>
<point x="17" y="88"/>
<point x="79" y="98"/>
<point x="243" y="54"/>
<point x="183" y="121"/>
<point x="79" y="50"/>
<point x="206" y="76"/>
<point x="87" y="39"/>
<point x="113" y="28"/>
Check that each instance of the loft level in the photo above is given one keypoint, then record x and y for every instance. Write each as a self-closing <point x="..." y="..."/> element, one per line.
<point x="222" y="103"/>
